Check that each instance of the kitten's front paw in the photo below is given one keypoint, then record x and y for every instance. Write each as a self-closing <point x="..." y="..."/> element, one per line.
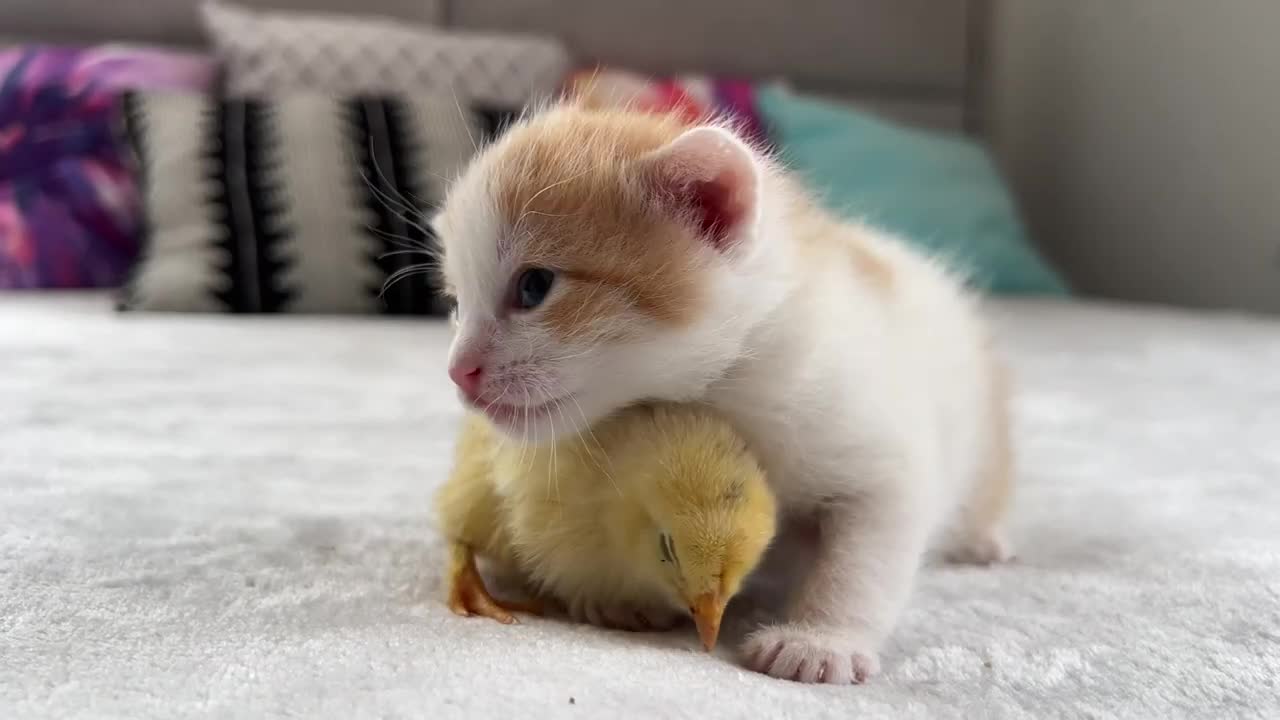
<point x="623" y="617"/>
<point x="810" y="654"/>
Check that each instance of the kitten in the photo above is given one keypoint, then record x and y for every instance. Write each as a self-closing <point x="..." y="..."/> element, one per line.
<point x="603" y="257"/>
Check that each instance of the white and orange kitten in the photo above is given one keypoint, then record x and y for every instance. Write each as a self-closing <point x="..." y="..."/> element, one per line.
<point x="601" y="257"/>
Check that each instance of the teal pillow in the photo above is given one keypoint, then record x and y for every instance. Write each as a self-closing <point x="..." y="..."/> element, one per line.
<point x="939" y="192"/>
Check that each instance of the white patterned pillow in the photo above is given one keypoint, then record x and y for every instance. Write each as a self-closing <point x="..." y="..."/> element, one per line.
<point x="271" y="52"/>
<point x="306" y="203"/>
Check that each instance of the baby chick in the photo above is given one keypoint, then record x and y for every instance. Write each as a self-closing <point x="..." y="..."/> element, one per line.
<point x="659" y="510"/>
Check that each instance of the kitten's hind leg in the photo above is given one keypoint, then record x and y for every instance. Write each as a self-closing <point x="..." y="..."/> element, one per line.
<point x="988" y="547"/>
<point x="979" y="536"/>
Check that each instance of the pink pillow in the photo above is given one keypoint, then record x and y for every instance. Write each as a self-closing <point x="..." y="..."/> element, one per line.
<point x="693" y="97"/>
<point x="70" y="213"/>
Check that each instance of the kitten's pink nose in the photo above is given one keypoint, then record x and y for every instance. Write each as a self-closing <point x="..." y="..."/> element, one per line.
<point x="467" y="375"/>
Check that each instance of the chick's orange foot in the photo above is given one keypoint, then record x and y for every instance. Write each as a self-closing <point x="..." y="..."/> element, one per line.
<point x="468" y="595"/>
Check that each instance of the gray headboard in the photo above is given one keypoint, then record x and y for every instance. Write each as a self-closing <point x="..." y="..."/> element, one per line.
<point x="912" y="59"/>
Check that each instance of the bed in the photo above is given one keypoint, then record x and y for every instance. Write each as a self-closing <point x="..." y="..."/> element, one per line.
<point x="226" y="516"/>
<point x="229" y="516"/>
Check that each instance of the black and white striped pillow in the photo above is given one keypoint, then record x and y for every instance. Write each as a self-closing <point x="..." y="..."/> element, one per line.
<point x="298" y="204"/>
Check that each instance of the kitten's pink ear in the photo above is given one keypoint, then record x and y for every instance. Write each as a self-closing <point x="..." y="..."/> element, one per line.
<point x="711" y="176"/>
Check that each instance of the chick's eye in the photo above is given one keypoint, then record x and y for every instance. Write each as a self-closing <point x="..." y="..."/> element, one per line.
<point x="667" y="548"/>
<point x="532" y="287"/>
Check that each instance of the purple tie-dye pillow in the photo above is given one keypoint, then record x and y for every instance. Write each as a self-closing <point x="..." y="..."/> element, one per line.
<point x="69" y="207"/>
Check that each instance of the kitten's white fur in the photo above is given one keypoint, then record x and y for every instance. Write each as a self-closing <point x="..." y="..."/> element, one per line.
<point x="868" y="404"/>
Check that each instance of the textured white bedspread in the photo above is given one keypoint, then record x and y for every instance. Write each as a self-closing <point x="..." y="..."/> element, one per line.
<point x="228" y="516"/>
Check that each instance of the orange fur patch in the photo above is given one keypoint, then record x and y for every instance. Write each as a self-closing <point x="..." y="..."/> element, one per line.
<point x="567" y="188"/>
<point x="874" y="269"/>
<point x="823" y="241"/>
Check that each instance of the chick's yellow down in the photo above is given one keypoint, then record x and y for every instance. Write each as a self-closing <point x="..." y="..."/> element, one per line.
<point x="658" y="511"/>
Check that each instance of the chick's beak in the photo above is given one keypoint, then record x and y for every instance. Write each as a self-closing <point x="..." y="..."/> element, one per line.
<point x="708" y="609"/>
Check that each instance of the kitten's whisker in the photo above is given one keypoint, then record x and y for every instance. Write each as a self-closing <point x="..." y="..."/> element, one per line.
<point x="497" y="397"/>
<point x="405" y="241"/>
<point x="413" y="201"/>
<point x="560" y="408"/>
<point x="416" y="269"/>
<point x="537" y="437"/>
<point x="393" y="253"/>
<point x="599" y="447"/>
<point x="554" y="215"/>
<point x="409" y="215"/>
<point x="430" y="265"/>
<point x="425" y="231"/>
<point x="403" y="273"/>
<point x="466" y="124"/>
<point x="408" y="242"/>
<point x="524" y="445"/>
<point x="567" y="356"/>
<point x="553" y="463"/>
<point x="404" y="198"/>
<point x="391" y="198"/>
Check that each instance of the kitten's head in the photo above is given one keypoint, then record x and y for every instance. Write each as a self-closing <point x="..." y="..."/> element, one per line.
<point x="599" y="258"/>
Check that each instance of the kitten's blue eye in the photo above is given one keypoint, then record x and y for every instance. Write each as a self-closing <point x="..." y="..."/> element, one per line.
<point x="532" y="287"/>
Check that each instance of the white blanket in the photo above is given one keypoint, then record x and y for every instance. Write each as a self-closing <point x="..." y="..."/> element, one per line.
<point x="229" y="516"/>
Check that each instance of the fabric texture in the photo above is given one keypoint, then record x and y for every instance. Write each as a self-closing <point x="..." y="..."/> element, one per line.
<point x="231" y="518"/>
<point x="303" y="204"/>
<point x="940" y="192"/>
<point x="69" y="209"/>
<point x="170" y="23"/>
<point x="693" y="97"/>
<point x="868" y="48"/>
<point x="272" y="52"/>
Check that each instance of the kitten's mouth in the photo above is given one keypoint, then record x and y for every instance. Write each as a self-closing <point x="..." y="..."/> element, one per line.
<point x="515" y="416"/>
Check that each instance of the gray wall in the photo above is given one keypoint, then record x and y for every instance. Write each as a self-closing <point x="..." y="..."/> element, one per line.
<point x="1143" y="137"/>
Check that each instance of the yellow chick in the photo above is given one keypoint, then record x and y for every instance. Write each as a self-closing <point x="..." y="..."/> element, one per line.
<point x="659" y="510"/>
